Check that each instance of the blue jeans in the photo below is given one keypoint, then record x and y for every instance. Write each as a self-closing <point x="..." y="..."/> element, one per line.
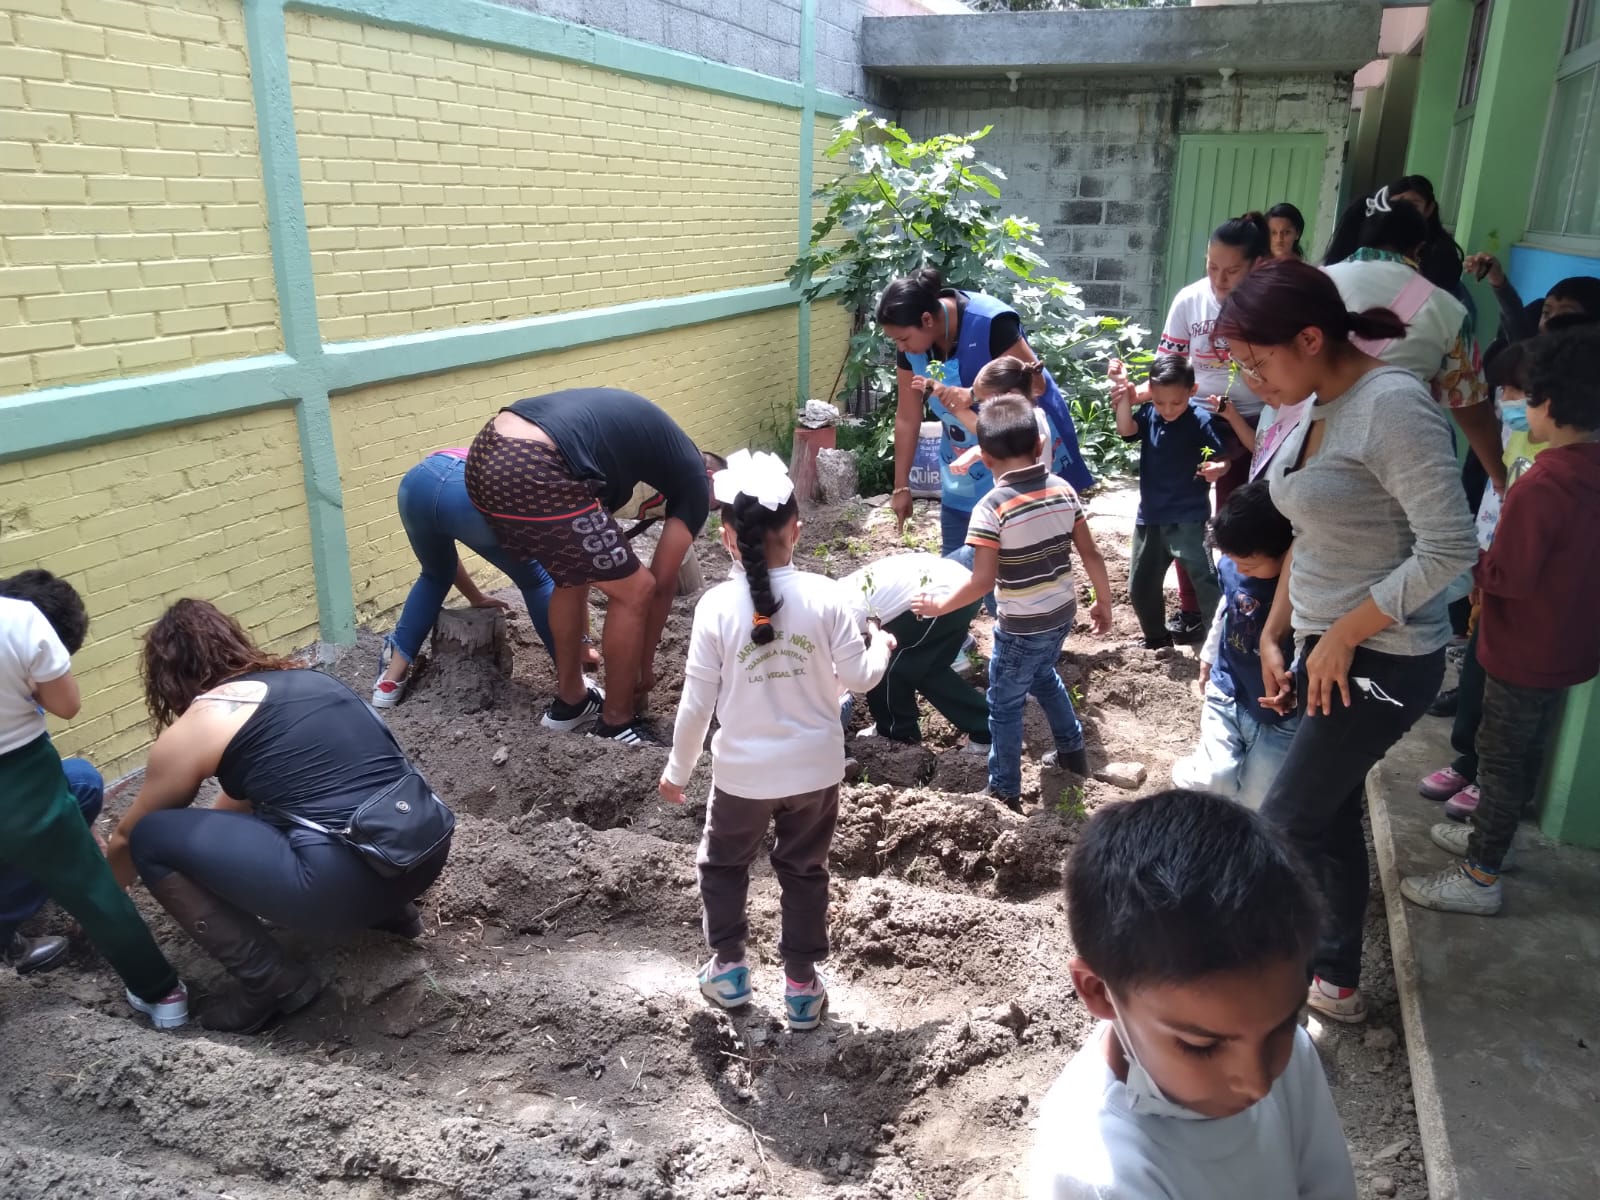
<point x="1024" y="664"/>
<point x="437" y="514"/>
<point x="1238" y="756"/>
<point x="20" y="896"/>
<point x="953" y="523"/>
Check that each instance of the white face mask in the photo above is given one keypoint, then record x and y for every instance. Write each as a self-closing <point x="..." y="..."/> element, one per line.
<point x="1145" y="1099"/>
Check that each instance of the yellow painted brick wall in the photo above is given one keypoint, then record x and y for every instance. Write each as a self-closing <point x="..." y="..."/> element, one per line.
<point x="133" y="233"/>
<point x="830" y="342"/>
<point x="215" y="510"/>
<point x="450" y="184"/>
<point x="728" y="383"/>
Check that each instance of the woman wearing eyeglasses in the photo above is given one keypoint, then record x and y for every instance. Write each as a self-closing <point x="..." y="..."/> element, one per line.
<point x="1362" y="466"/>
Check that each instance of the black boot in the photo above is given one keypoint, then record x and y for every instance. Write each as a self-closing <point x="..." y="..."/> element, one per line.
<point x="30" y="955"/>
<point x="406" y="922"/>
<point x="273" y="985"/>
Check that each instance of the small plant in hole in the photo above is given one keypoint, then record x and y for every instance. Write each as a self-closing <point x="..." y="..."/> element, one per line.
<point x="1075" y="694"/>
<point x="1071" y="803"/>
<point x="856" y="546"/>
<point x="821" y="551"/>
<point x="714" y="525"/>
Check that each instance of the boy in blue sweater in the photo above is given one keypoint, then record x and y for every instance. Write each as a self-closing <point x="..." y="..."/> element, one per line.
<point x="1180" y="454"/>
<point x="1242" y="744"/>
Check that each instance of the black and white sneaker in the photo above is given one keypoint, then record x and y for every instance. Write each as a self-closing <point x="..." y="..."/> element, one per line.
<point x="566" y="717"/>
<point x="632" y="734"/>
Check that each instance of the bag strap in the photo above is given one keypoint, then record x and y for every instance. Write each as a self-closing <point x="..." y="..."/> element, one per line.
<point x="1407" y="304"/>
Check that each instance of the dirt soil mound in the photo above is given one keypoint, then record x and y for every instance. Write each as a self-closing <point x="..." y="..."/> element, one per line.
<point x="545" y="1037"/>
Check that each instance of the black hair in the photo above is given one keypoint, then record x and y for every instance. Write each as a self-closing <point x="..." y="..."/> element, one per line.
<point x="57" y="599"/>
<point x="1248" y="234"/>
<point x="1172" y="370"/>
<point x="1508" y="365"/>
<point x="1378" y="222"/>
<point x="1570" y="320"/>
<point x="1441" y="259"/>
<point x="1171" y="887"/>
<point x="1582" y="290"/>
<point x="1007" y="427"/>
<point x="907" y="299"/>
<point x="1565" y="374"/>
<point x="1248" y="522"/>
<point x="751" y="522"/>
<point x="1288" y="212"/>
<point x="714" y="462"/>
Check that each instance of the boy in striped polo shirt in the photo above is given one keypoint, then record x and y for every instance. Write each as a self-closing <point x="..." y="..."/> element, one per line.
<point x="1022" y="534"/>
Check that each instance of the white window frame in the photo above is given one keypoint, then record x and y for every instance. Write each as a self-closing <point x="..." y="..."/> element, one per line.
<point x="1576" y="60"/>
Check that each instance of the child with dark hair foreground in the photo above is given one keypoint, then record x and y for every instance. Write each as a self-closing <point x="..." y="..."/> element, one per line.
<point x="1242" y="744"/>
<point x="43" y="834"/>
<point x="1193" y="923"/>
<point x="1536" y="633"/>
<point x="768" y="653"/>
<point x="1180" y="454"/>
<point x="1022" y="534"/>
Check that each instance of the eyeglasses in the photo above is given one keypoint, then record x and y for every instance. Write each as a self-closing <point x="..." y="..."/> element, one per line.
<point x="1253" y="374"/>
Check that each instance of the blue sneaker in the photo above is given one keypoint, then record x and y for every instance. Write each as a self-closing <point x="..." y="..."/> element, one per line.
<point x="804" y="1004"/>
<point x="727" y="984"/>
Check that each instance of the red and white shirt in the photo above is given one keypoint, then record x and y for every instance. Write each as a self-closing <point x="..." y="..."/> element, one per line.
<point x="1188" y="332"/>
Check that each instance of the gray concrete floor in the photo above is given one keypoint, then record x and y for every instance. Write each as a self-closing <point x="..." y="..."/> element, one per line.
<point x="1502" y="1014"/>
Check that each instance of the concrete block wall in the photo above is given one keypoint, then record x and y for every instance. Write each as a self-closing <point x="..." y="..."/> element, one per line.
<point x="1092" y="159"/>
<point x="133" y="234"/>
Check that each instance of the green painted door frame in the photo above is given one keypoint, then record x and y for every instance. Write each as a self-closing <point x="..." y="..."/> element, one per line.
<point x="1224" y="174"/>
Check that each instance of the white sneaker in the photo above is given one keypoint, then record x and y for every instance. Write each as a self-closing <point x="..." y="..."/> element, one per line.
<point x="169" y="1012"/>
<point x="1447" y="835"/>
<point x="727" y="984"/>
<point x="975" y="748"/>
<point x="1453" y="890"/>
<point x="804" y="1004"/>
<point x="386" y="693"/>
<point x="1344" y="1005"/>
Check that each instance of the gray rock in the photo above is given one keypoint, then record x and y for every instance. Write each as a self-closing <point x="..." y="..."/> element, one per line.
<point x="1381" y="1037"/>
<point x="501" y="754"/>
<point x="1126" y="775"/>
<point x="1392" y="1150"/>
<point x="1382" y="1185"/>
<point x="837" y="476"/>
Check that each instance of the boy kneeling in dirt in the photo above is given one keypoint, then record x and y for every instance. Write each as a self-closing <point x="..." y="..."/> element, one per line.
<point x="1022" y="534"/>
<point x="769" y="650"/>
<point x="1242" y="744"/>
<point x="1194" y="923"/>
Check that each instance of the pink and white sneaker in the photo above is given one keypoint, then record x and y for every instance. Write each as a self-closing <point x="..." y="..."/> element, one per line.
<point x="1336" y="1003"/>
<point x="1442" y="784"/>
<point x="169" y="1012"/>
<point x="1463" y="804"/>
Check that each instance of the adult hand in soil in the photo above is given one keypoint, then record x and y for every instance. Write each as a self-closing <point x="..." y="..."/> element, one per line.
<point x="1327" y="671"/>
<point x="489" y="602"/>
<point x="1277" y="685"/>
<point x="1100" y="615"/>
<point x="900" y="505"/>
<point x="670" y="792"/>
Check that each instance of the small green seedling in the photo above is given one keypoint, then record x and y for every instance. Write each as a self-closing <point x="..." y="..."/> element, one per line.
<point x="1207" y="453"/>
<point x="714" y="525"/>
<point x="1075" y="694"/>
<point x="1071" y="804"/>
<point x="856" y="546"/>
<point x="822" y="552"/>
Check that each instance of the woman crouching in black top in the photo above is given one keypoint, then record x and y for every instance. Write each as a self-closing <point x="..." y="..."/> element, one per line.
<point x="282" y="742"/>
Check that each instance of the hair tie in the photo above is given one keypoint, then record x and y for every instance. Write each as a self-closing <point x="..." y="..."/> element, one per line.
<point x="1378" y="202"/>
<point x="758" y="621"/>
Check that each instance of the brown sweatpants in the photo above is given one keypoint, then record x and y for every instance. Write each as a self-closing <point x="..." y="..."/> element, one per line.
<point x="735" y="828"/>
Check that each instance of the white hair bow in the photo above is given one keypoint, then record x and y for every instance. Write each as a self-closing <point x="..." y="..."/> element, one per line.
<point x="1378" y="202"/>
<point x="761" y="476"/>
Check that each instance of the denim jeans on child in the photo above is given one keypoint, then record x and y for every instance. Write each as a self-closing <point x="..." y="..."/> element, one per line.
<point x="437" y="514"/>
<point x="20" y="895"/>
<point x="1024" y="665"/>
<point x="1238" y="756"/>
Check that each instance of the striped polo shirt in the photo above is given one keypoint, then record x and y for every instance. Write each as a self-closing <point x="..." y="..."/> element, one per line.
<point x="1029" y="517"/>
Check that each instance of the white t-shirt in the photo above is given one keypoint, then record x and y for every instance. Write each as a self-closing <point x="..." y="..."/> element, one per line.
<point x="1430" y="332"/>
<point x="889" y="585"/>
<point x="30" y="654"/>
<point x="1090" y="1146"/>
<point x="1188" y="332"/>
<point x="777" y="705"/>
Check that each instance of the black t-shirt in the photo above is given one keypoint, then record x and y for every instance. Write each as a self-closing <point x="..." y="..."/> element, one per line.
<point x="1004" y="330"/>
<point x="616" y="440"/>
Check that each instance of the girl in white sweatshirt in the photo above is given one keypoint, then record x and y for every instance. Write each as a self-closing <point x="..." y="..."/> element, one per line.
<point x="770" y="649"/>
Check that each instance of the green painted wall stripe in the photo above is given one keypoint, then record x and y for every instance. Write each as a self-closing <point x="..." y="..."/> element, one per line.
<point x="808" y="142"/>
<point x="357" y="364"/>
<point x="831" y="104"/>
<point x="494" y="25"/>
<point x="297" y="304"/>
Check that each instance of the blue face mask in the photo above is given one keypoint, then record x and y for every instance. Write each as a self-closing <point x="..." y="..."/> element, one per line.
<point x="1515" y="414"/>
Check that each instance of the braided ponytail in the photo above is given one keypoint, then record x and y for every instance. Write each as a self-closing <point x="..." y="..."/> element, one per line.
<point x="751" y="523"/>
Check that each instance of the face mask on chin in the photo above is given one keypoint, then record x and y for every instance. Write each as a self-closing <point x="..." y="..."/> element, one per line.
<point x="1145" y="1099"/>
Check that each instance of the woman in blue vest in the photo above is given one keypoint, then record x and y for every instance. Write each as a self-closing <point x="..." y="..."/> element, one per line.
<point x="961" y="331"/>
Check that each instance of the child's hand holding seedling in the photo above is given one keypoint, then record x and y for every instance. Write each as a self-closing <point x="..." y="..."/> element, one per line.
<point x="1212" y="469"/>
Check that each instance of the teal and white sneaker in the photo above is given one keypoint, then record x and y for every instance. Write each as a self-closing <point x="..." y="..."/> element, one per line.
<point x="727" y="984"/>
<point x="804" y="1004"/>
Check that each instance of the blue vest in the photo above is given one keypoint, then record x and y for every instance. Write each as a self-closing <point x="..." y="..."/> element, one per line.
<point x="972" y="355"/>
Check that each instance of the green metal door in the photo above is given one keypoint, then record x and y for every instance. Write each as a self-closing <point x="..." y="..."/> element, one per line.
<point x="1223" y="175"/>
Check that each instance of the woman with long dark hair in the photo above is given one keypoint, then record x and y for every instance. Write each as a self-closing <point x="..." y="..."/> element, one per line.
<point x="1286" y="225"/>
<point x="964" y="331"/>
<point x="288" y="745"/>
<point x="1363" y="469"/>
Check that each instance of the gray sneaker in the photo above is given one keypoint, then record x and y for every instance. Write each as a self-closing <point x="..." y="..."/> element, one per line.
<point x="1451" y="890"/>
<point x="1455" y="838"/>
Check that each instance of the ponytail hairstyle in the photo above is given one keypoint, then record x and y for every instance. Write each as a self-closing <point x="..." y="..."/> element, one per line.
<point x="1248" y="234"/>
<point x="758" y="500"/>
<point x="1379" y="222"/>
<point x="1009" y="374"/>
<point x="1297" y="221"/>
<point x="911" y="297"/>
<point x="1441" y="259"/>
<point x="1273" y="303"/>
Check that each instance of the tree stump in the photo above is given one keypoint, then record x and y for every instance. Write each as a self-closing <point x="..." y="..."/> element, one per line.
<point x="803" y="458"/>
<point x="471" y="654"/>
<point x="690" y="577"/>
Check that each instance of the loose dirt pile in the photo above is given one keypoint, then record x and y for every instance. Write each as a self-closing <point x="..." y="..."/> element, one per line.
<point x="545" y="1037"/>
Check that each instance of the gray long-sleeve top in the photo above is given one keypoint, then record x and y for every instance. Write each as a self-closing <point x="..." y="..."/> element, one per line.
<point x="1378" y="510"/>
